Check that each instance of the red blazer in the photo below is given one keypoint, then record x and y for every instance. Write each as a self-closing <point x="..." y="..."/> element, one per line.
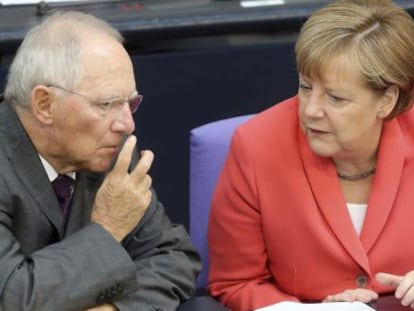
<point x="279" y="227"/>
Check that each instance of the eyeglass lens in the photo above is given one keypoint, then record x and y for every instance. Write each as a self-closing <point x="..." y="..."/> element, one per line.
<point x="135" y="102"/>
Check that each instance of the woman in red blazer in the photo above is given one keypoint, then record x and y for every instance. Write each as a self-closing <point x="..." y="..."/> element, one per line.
<point x="316" y="198"/>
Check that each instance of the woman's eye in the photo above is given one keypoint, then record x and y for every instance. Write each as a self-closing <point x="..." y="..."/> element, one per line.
<point x="335" y="98"/>
<point x="305" y="87"/>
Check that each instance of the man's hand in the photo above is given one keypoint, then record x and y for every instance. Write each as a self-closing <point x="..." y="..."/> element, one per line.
<point x="403" y="284"/>
<point x="105" y="307"/>
<point x="123" y="197"/>
<point x="350" y="295"/>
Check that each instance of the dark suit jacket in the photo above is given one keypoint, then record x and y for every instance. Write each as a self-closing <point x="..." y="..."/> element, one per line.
<point x="43" y="267"/>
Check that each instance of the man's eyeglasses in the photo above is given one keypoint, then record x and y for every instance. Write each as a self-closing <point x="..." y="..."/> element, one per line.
<point x="109" y="107"/>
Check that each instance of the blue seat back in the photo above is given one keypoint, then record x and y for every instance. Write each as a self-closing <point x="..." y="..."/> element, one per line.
<point x="209" y="144"/>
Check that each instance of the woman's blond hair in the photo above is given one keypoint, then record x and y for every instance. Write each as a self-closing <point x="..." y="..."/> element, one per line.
<point x="377" y="35"/>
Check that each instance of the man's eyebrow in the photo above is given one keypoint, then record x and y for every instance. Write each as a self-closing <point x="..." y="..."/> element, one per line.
<point x="116" y="96"/>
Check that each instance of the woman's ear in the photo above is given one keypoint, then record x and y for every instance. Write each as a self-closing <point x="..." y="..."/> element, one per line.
<point x="388" y="101"/>
<point x="41" y="101"/>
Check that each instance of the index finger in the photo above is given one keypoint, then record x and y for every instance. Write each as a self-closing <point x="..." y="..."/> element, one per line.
<point x="123" y="161"/>
<point x="389" y="279"/>
<point x="144" y="164"/>
<point x="405" y="289"/>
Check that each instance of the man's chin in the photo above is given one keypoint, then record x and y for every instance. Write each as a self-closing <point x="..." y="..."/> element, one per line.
<point x="102" y="166"/>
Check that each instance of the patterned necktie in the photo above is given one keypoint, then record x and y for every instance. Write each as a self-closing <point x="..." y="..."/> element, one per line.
<point x="62" y="186"/>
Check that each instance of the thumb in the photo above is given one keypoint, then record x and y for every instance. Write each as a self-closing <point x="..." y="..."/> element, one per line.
<point x="389" y="279"/>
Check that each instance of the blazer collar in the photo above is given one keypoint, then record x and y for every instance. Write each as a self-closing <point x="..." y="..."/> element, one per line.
<point x="29" y="170"/>
<point x="324" y="183"/>
<point x="390" y="163"/>
<point x="26" y="163"/>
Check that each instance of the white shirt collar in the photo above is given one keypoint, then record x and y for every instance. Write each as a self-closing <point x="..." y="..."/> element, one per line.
<point x="51" y="172"/>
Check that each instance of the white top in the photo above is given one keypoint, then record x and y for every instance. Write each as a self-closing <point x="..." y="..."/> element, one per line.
<point x="357" y="213"/>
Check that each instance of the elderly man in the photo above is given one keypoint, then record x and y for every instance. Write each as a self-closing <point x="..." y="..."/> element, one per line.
<point x="77" y="231"/>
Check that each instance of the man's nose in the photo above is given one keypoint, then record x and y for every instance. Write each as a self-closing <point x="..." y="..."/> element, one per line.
<point x="124" y="121"/>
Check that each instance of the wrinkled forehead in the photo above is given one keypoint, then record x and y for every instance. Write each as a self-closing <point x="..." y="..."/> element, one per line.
<point x="106" y="64"/>
<point x="100" y="50"/>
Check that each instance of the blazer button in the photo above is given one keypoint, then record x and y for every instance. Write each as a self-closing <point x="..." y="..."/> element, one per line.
<point x="361" y="280"/>
<point x="101" y="299"/>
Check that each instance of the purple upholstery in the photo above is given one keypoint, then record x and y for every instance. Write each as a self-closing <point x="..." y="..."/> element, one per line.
<point x="208" y="148"/>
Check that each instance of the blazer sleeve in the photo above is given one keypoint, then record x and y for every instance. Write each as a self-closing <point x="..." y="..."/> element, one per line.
<point x="68" y="275"/>
<point x="156" y="266"/>
<point x="166" y="264"/>
<point x="238" y="272"/>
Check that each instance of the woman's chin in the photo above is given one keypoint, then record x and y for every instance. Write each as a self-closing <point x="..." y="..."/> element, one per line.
<point x="322" y="150"/>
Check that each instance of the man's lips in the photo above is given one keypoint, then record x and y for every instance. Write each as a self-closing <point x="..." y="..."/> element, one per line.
<point x="112" y="148"/>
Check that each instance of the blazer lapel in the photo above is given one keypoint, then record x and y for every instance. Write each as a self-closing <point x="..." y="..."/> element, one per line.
<point x="325" y="186"/>
<point x="390" y="163"/>
<point x="29" y="169"/>
<point x="86" y="186"/>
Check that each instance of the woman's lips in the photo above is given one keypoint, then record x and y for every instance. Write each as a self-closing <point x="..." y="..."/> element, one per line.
<point x="315" y="131"/>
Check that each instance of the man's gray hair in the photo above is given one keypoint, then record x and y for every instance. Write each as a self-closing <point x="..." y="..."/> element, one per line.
<point x="51" y="54"/>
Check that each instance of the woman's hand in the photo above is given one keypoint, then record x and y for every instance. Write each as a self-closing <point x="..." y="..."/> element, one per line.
<point x="350" y="295"/>
<point x="403" y="284"/>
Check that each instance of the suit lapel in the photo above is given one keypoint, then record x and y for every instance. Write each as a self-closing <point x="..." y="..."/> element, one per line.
<point x="26" y="163"/>
<point x="325" y="186"/>
<point x="86" y="186"/>
<point x="387" y="178"/>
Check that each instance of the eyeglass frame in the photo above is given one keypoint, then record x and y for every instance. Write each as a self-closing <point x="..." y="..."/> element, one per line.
<point x="108" y="104"/>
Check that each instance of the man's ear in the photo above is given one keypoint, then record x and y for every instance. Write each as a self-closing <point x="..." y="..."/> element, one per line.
<point x="388" y="101"/>
<point x="41" y="101"/>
